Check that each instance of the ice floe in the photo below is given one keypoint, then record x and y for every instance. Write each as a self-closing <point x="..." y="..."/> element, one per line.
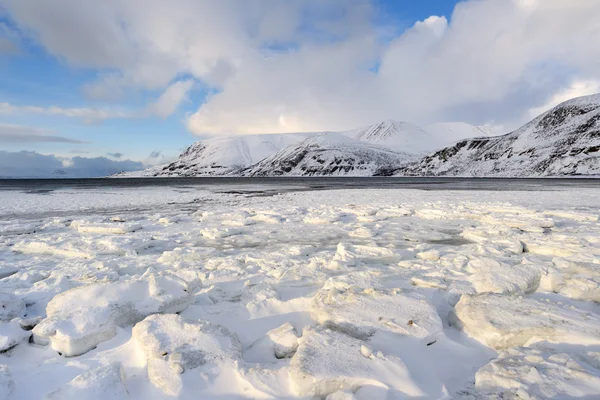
<point x="348" y="294"/>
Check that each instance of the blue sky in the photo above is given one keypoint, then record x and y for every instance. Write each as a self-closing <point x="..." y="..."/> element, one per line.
<point x="34" y="77"/>
<point x="142" y="77"/>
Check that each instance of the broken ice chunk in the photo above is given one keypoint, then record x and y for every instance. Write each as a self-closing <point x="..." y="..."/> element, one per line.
<point x="7" y="385"/>
<point x="11" y="306"/>
<point x="107" y="382"/>
<point x="11" y="335"/>
<point x="539" y="374"/>
<point x="361" y="312"/>
<point x="80" y="318"/>
<point x="328" y="361"/>
<point x="278" y="343"/>
<point x="173" y="345"/>
<point x="508" y="321"/>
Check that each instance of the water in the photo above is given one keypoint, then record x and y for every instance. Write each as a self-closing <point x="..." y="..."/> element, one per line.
<point x="269" y="186"/>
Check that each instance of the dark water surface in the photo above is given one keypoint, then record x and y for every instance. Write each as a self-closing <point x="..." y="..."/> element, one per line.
<point x="268" y="186"/>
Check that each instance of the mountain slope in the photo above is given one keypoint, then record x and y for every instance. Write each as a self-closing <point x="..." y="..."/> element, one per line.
<point x="224" y="156"/>
<point x="562" y="141"/>
<point x="329" y="154"/>
<point x="447" y="133"/>
<point x="395" y="135"/>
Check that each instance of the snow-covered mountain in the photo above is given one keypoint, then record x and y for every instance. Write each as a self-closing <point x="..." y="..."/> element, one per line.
<point x="395" y="135"/>
<point x="223" y="156"/>
<point x="447" y="133"/>
<point x="562" y="141"/>
<point x="231" y="155"/>
<point x="329" y="154"/>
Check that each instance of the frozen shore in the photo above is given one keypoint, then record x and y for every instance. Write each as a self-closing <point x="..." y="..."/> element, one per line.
<point x="164" y="292"/>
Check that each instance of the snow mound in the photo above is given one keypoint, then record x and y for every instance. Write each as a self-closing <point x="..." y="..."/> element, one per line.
<point x="107" y="382"/>
<point x="11" y="306"/>
<point x="360" y="312"/>
<point x="186" y="255"/>
<point x="82" y="247"/>
<point x="80" y="318"/>
<point x="120" y="228"/>
<point x="526" y="223"/>
<point x="509" y="321"/>
<point x="7" y="385"/>
<point x="493" y="276"/>
<point x="278" y="343"/>
<point x="12" y="228"/>
<point x="328" y="361"/>
<point x="349" y="255"/>
<point x="531" y="373"/>
<point x="11" y="335"/>
<point x="173" y="345"/>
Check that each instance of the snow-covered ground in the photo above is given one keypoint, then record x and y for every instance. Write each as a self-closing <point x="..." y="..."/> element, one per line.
<point x="164" y="292"/>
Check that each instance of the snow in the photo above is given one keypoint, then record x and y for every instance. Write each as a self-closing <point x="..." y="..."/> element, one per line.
<point x="11" y="306"/>
<point x="172" y="346"/>
<point x="328" y="361"/>
<point x="562" y="141"/>
<point x="533" y="373"/>
<point x="106" y="382"/>
<point x="339" y="294"/>
<point x="231" y="155"/>
<point x="223" y="156"/>
<point x="6" y="383"/>
<point x="399" y="136"/>
<point x="510" y="321"/>
<point x="80" y="318"/>
<point x="330" y="154"/>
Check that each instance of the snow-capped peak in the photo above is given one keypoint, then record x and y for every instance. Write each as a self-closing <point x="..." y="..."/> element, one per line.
<point x="395" y="135"/>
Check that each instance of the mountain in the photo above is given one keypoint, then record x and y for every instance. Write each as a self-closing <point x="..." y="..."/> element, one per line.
<point x="329" y="154"/>
<point x="231" y="155"/>
<point x="223" y="156"/>
<point x="562" y="141"/>
<point x="447" y="133"/>
<point x="395" y="135"/>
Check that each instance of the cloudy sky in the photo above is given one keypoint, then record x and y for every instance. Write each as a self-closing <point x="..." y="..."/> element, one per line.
<point x="142" y="79"/>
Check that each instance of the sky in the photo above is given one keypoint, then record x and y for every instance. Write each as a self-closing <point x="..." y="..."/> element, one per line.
<point x="132" y="83"/>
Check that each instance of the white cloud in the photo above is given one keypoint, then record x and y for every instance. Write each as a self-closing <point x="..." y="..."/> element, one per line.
<point x="29" y="164"/>
<point x="88" y="115"/>
<point x="280" y="65"/>
<point x="27" y="134"/>
<point x="172" y="97"/>
<point x="577" y="89"/>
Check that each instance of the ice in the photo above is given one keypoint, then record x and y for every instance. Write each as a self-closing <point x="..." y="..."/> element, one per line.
<point x="329" y="361"/>
<point x="116" y="227"/>
<point x="531" y="373"/>
<point x="11" y="228"/>
<point x="509" y="321"/>
<point x="341" y="395"/>
<point x="491" y="275"/>
<point x="278" y="343"/>
<point x="11" y="334"/>
<point x="106" y="382"/>
<point x="348" y="255"/>
<point x="526" y="221"/>
<point x="173" y="345"/>
<point x="7" y="385"/>
<point x="416" y="287"/>
<point x="80" y="318"/>
<point x="360" y="312"/>
<point x="11" y="306"/>
<point x="192" y="256"/>
<point x="81" y="247"/>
